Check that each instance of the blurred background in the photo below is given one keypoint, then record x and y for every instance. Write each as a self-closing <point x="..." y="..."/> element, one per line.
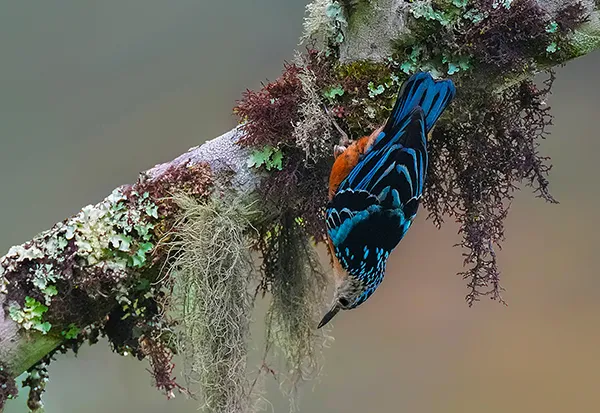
<point x="94" y="92"/>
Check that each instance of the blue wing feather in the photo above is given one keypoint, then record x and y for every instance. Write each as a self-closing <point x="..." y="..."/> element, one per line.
<point x="374" y="206"/>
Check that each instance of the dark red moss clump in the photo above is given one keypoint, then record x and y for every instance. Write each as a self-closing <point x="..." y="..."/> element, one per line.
<point x="8" y="387"/>
<point x="162" y="366"/>
<point x="194" y="179"/>
<point x="497" y="40"/>
<point x="268" y="116"/>
<point x="484" y="148"/>
<point x="571" y="16"/>
<point x="509" y="37"/>
<point x="269" y="113"/>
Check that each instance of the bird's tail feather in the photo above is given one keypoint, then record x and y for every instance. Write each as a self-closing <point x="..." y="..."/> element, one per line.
<point x="433" y="96"/>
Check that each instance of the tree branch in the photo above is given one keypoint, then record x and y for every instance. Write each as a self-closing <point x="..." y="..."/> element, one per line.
<point x="77" y="273"/>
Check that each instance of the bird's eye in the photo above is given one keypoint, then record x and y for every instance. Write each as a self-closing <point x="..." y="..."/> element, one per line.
<point x="344" y="302"/>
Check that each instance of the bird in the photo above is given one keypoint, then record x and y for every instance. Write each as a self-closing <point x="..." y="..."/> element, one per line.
<point x="375" y="187"/>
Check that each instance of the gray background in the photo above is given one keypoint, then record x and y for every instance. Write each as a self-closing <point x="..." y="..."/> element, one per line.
<point x="94" y="92"/>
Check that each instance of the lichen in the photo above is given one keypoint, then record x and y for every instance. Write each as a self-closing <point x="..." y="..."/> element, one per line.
<point x="313" y="133"/>
<point x="195" y="179"/>
<point x="60" y="282"/>
<point x="30" y="316"/>
<point x="325" y="22"/>
<point x="36" y="380"/>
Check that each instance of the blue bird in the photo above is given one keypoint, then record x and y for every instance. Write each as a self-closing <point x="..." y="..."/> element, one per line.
<point x="375" y="187"/>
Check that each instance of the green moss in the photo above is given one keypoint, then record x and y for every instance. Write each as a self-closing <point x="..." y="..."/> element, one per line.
<point x="582" y="43"/>
<point x="357" y="11"/>
<point x="369" y="91"/>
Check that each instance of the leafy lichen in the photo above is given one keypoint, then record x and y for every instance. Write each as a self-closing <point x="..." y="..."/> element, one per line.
<point x="30" y="315"/>
<point x="325" y="22"/>
<point x="36" y="380"/>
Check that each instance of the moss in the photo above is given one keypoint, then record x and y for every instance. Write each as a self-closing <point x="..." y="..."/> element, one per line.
<point x="496" y="38"/>
<point x="195" y="179"/>
<point x="298" y="286"/>
<point x="8" y="386"/>
<point x="502" y="141"/>
<point x="57" y="282"/>
<point x="268" y="117"/>
<point x="362" y="81"/>
<point x="209" y="278"/>
<point x="356" y="10"/>
<point x="486" y="147"/>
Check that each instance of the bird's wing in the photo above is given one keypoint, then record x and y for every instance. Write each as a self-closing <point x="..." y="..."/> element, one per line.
<point x="374" y="206"/>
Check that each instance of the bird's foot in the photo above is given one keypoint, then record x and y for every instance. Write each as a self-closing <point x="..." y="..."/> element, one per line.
<point x="344" y="141"/>
<point x="338" y="150"/>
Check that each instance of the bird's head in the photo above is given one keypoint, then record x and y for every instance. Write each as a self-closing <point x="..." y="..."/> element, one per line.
<point x="350" y="292"/>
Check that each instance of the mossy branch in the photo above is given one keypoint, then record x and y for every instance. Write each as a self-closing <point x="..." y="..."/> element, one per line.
<point x="117" y="267"/>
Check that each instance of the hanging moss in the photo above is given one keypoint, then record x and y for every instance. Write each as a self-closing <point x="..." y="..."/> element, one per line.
<point x="210" y="298"/>
<point x="298" y="286"/>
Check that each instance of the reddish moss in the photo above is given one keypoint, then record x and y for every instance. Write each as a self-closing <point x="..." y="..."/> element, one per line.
<point x="162" y="366"/>
<point x="271" y="111"/>
<point x="571" y="16"/>
<point x="300" y="187"/>
<point x="195" y="179"/>
<point x="486" y="146"/>
<point x="509" y="37"/>
<point x="8" y="387"/>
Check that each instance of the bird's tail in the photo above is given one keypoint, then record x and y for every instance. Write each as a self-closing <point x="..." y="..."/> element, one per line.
<point x="433" y="96"/>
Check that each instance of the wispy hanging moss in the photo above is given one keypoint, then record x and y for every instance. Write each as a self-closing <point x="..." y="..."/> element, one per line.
<point x="298" y="286"/>
<point x="210" y="280"/>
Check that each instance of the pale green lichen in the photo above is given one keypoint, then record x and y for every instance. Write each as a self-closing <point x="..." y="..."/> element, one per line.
<point x="325" y="20"/>
<point x="113" y="233"/>
<point x="313" y="132"/>
<point x="37" y="379"/>
<point x="44" y="278"/>
<point x="583" y="41"/>
<point x="333" y="91"/>
<point x="504" y="3"/>
<point x="269" y="157"/>
<point x="375" y="90"/>
<point x="30" y="316"/>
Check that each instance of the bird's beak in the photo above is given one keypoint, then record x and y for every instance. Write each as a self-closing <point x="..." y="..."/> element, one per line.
<point x="330" y="314"/>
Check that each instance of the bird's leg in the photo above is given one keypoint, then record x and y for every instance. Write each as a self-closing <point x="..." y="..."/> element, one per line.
<point x="344" y="141"/>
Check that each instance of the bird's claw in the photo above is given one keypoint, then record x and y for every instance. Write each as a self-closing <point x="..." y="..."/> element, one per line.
<point x="338" y="150"/>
